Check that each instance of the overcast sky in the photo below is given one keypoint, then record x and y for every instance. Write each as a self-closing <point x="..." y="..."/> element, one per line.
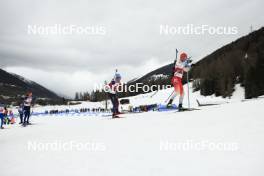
<point x="132" y="41"/>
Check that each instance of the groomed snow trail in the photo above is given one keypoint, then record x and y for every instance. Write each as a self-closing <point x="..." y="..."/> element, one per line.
<point x="136" y="145"/>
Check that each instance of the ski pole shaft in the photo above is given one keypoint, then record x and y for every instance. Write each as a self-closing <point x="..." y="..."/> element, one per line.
<point x="188" y="89"/>
<point x="154" y="93"/>
<point x="169" y="96"/>
<point x="176" y="53"/>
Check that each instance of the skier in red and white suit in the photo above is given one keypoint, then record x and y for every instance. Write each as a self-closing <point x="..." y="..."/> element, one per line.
<point x="180" y="67"/>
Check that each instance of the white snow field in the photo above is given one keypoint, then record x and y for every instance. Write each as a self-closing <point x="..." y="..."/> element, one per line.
<point x="222" y="140"/>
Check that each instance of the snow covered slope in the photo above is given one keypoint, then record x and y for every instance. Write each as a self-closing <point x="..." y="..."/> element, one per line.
<point x="161" y="96"/>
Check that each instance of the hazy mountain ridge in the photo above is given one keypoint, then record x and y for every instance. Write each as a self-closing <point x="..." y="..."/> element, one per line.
<point x="218" y="72"/>
<point x="13" y="86"/>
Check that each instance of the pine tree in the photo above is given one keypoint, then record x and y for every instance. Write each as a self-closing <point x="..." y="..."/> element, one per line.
<point x="77" y="96"/>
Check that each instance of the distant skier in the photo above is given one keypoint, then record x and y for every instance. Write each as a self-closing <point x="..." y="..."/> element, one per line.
<point x="6" y="119"/>
<point x="20" y="111"/>
<point x="112" y="93"/>
<point x="27" y="105"/>
<point x="12" y="117"/>
<point x="1" y="117"/>
<point x="180" y="67"/>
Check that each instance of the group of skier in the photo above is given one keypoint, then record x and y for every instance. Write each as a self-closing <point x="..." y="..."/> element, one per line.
<point x="180" y="66"/>
<point x="7" y="116"/>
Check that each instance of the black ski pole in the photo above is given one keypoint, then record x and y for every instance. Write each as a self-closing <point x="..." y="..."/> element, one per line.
<point x="169" y="96"/>
<point x="188" y="88"/>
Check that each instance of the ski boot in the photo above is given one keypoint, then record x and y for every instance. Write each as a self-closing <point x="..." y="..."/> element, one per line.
<point x="118" y="113"/>
<point x="115" y="115"/>
<point x="180" y="108"/>
<point x="169" y="105"/>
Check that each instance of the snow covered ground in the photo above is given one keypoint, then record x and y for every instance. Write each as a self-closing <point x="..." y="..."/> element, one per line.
<point x="155" y="98"/>
<point x="226" y="139"/>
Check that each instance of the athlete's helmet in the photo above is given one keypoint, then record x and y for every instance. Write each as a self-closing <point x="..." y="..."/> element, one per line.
<point x="183" y="56"/>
